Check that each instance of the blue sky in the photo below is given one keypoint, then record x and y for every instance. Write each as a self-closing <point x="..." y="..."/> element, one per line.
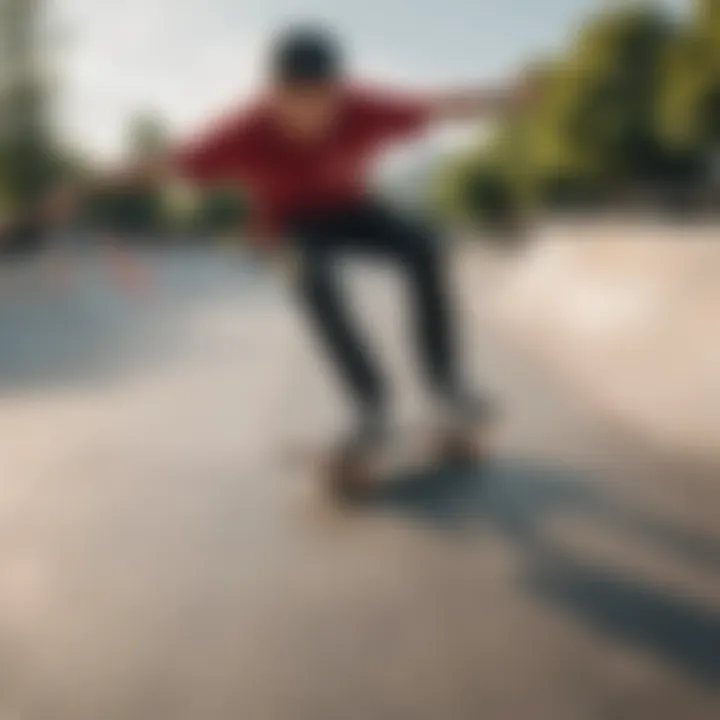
<point x="188" y="58"/>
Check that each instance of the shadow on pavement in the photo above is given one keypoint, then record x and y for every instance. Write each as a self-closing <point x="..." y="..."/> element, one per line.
<point x="516" y="498"/>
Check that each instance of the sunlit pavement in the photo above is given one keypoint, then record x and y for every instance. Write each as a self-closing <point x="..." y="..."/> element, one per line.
<point x="162" y="558"/>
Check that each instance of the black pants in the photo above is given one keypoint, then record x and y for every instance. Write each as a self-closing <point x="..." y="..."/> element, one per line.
<point x="369" y="228"/>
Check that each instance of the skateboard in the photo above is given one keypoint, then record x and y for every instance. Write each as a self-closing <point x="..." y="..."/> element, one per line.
<point x="355" y="473"/>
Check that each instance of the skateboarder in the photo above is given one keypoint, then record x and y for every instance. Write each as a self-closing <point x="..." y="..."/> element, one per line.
<point x="300" y="152"/>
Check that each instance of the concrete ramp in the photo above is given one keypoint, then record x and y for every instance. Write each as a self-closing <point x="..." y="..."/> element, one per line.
<point x="629" y="312"/>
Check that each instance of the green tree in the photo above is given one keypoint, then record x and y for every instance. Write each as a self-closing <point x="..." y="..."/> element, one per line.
<point x="26" y="152"/>
<point x="633" y="103"/>
<point x="689" y="104"/>
<point x="140" y="210"/>
<point x="146" y="134"/>
<point x="597" y="121"/>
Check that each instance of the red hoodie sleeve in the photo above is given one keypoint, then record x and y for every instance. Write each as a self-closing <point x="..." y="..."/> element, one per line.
<point x="222" y="152"/>
<point x="386" y="115"/>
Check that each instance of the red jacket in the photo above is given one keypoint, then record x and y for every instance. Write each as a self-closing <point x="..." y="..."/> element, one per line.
<point x="282" y="176"/>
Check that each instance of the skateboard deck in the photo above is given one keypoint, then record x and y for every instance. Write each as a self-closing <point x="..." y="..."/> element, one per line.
<point x="352" y="473"/>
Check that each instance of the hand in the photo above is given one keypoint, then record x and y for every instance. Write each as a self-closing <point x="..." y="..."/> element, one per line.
<point x="483" y="103"/>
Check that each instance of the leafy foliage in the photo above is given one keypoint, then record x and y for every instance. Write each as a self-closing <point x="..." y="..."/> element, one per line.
<point x="632" y="105"/>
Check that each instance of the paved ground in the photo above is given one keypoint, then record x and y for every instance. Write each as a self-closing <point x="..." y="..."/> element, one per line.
<point x="161" y="559"/>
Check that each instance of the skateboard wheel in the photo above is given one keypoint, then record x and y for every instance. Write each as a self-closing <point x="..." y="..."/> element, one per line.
<point x="349" y="477"/>
<point x="462" y="448"/>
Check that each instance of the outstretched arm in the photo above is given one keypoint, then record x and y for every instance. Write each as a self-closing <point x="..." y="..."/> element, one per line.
<point x="207" y="160"/>
<point x="479" y="103"/>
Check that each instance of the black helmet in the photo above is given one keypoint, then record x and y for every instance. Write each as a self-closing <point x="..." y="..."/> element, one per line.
<point x="306" y="54"/>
